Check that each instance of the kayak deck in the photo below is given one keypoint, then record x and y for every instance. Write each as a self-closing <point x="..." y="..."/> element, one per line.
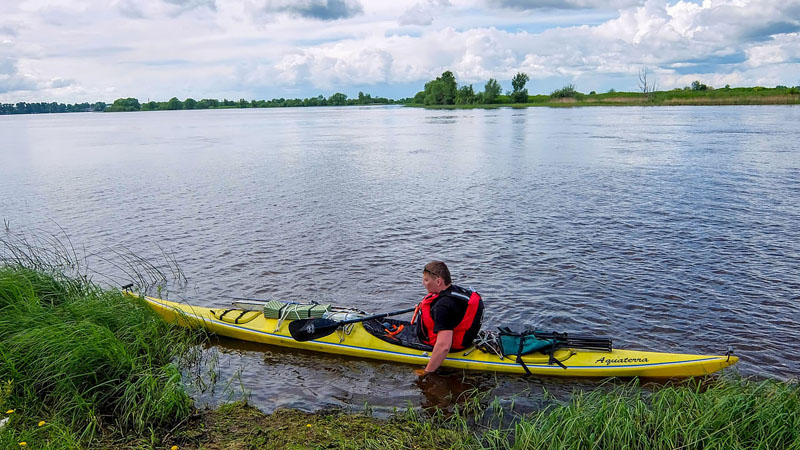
<point x="355" y="341"/>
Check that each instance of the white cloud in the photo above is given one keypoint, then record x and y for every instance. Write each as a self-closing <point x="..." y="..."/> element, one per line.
<point x="564" y="4"/>
<point x="11" y="79"/>
<point x="765" y="54"/>
<point x="59" y="83"/>
<point x="130" y="9"/>
<point x="483" y="56"/>
<point x="654" y="35"/>
<point x="154" y="9"/>
<point x="187" y="5"/>
<point x="7" y="30"/>
<point x="8" y="66"/>
<point x="315" y="9"/>
<point x="423" y="12"/>
<point x="216" y="48"/>
<point x="331" y="66"/>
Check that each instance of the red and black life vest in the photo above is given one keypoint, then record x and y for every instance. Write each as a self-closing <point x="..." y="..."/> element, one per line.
<point x="473" y="315"/>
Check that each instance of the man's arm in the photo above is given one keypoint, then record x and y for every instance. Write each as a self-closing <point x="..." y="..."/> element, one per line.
<point x="444" y="340"/>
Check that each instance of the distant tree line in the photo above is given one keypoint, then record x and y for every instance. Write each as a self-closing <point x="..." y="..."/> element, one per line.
<point x="53" y="107"/>
<point x="133" y="104"/>
<point x="337" y="99"/>
<point x="445" y="91"/>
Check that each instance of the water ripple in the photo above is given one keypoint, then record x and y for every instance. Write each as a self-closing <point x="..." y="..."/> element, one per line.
<point x="670" y="229"/>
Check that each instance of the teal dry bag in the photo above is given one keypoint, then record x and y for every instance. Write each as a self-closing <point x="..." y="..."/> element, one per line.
<point x="523" y="343"/>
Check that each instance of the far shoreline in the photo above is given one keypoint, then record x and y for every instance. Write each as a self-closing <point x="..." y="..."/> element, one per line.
<point x="789" y="99"/>
<point x="564" y="98"/>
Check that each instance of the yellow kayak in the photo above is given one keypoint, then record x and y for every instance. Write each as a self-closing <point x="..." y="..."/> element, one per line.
<point x="356" y="340"/>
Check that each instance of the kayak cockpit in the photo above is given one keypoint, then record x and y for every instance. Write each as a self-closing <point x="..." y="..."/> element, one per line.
<point x="397" y="332"/>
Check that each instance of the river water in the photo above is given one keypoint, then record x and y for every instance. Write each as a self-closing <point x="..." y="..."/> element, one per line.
<point x="667" y="228"/>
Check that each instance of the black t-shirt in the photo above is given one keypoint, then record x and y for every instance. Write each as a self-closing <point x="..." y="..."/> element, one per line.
<point x="448" y="310"/>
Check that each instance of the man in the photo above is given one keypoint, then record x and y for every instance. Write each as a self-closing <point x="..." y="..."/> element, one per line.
<point x="450" y="316"/>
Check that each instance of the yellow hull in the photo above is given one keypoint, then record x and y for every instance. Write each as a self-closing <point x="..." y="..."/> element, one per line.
<point x="359" y="343"/>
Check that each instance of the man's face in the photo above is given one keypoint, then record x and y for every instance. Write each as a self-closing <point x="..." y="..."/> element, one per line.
<point x="432" y="283"/>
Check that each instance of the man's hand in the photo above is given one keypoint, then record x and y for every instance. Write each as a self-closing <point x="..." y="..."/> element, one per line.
<point x="444" y="340"/>
<point x="422" y="372"/>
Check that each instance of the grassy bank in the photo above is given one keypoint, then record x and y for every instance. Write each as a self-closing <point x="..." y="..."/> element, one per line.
<point x="78" y="363"/>
<point x="711" y="97"/>
<point x="82" y="367"/>
<point x="723" y="414"/>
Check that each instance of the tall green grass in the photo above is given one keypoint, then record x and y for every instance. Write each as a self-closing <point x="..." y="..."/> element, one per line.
<point x="84" y="360"/>
<point x="725" y="414"/>
<point x="716" y="413"/>
<point x="720" y="413"/>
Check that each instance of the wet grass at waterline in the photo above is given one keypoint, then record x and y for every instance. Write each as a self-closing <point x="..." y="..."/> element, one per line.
<point x="78" y="362"/>
<point x="725" y="414"/>
<point x="720" y="413"/>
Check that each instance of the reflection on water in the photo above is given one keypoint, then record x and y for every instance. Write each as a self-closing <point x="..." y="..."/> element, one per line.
<point x="441" y="390"/>
<point x="668" y="229"/>
<point x="276" y="377"/>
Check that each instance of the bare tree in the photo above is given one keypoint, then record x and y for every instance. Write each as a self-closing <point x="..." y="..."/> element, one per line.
<point x="645" y="86"/>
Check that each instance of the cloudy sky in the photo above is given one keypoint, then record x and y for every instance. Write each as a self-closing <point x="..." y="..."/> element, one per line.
<point x="100" y="50"/>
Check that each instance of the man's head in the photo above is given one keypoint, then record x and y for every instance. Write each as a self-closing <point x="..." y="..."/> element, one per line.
<point x="436" y="277"/>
